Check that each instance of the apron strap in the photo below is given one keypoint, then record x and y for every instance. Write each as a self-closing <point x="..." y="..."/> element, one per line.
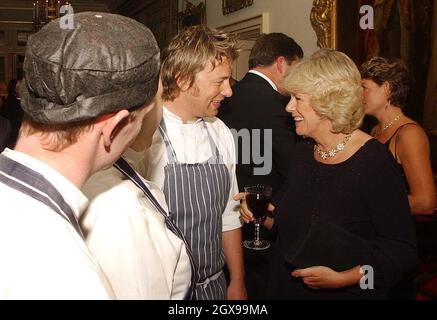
<point x="33" y="184"/>
<point x="126" y="169"/>
<point x="212" y="144"/>
<point x="171" y="152"/>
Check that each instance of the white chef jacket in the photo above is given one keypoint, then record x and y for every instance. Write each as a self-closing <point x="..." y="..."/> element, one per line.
<point x="142" y="258"/>
<point x="42" y="255"/>
<point x="191" y="144"/>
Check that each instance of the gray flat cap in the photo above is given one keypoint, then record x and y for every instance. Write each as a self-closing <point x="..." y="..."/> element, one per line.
<point x="106" y="63"/>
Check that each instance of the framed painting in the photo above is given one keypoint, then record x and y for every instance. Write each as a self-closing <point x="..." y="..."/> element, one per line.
<point x="22" y="37"/>
<point x="191" y="15"/>
<point x="234" y="5"/>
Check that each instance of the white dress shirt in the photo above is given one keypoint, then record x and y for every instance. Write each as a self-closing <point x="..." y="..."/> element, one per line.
<point x="262" y="75"/>
<point x="42" y="255"/>
<point x="128" y="236"/>
<point x="192" y="145"/>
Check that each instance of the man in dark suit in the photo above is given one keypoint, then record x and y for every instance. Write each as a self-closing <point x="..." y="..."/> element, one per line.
<point x="256" y="111"/>
<point x="258" y="103"/>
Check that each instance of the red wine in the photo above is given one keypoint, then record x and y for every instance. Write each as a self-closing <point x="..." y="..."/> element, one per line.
<point x="258" y="204"/>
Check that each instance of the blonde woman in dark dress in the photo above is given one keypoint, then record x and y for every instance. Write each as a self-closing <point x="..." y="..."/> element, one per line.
<point x="340" y="176"/>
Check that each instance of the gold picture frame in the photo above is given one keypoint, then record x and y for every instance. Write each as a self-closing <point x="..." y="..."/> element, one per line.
<point x="230" y="6"/>
<point x="324" y="22"/>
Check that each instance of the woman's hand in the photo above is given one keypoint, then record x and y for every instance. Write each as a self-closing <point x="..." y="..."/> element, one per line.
<point x="320" y="277"/>
<point x="245" y="213"/>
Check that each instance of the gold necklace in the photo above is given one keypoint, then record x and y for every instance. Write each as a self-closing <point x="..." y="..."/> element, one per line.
<point x="389" y="124"/>
<point x="333" y="152"/>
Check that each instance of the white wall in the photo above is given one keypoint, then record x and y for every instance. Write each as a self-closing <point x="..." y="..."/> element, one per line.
<point x="291" y="17"/>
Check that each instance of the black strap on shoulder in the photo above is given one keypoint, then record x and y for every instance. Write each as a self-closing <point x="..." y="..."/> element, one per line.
<point x="398" y="129"/>
<point x="125" y="168"/>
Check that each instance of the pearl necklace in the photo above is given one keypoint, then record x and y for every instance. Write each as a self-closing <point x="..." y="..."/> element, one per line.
<point x="333" y="152"/>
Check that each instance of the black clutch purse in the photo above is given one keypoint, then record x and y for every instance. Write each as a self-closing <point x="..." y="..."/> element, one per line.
<point x="328" y="245"/>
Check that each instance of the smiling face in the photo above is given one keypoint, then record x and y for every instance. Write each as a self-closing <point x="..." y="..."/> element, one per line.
<point x="211" y="86"/>
<point x="307" y="121"/>
<point x="374" y="96"/>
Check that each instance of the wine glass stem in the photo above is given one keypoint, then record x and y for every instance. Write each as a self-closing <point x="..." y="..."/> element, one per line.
<point x="257" y="231"/>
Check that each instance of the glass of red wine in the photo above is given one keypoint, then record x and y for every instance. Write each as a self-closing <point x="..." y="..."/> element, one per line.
<point x="258" y="198"/>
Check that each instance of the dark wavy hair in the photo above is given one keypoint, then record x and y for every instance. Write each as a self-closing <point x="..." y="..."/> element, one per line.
<point x="395" y="72"/>
<point x="270" y="46"/>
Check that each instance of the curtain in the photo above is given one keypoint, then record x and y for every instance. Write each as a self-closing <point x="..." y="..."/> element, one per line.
<point x="430" y="112"/>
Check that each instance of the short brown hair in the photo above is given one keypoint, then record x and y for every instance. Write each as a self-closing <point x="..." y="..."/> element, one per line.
<point x="395" y="72"/>
<point x="57" y="137"/>
<point x="189" y="53"/>
<point x="270" y="46"/>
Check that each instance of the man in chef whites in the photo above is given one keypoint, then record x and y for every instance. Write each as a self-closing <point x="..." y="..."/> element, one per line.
<point x="192" y="157"/>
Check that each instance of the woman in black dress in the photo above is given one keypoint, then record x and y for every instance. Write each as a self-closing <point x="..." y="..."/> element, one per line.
<point x="342" y="177"/>
<point x="386" y="87"/>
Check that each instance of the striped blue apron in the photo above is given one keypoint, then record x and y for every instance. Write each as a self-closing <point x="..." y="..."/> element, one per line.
<point x="197" y="195"/>
<point x="21" y="178"/>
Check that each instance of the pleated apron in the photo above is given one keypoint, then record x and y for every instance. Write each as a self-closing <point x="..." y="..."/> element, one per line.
<point x="197" y="195"/>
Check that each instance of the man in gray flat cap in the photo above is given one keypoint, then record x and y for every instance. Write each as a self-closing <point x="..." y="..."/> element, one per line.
<point x="85" y="94"/>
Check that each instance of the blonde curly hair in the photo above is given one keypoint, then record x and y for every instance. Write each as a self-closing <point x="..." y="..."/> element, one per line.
<point x="333" y="82"/>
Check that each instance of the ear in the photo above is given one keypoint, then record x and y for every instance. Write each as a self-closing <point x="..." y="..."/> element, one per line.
<point x="387" y="88"/>
<point x="183" y="84"/>
<point x="110" y="124"/>
<point x="281" y="64"/>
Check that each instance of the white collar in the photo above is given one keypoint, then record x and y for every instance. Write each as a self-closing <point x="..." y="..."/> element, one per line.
<point x="262" y="75"/>
<point x="168" y="115"/>
<point x="134" y="157"/>
<point x="71" y="194"/>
